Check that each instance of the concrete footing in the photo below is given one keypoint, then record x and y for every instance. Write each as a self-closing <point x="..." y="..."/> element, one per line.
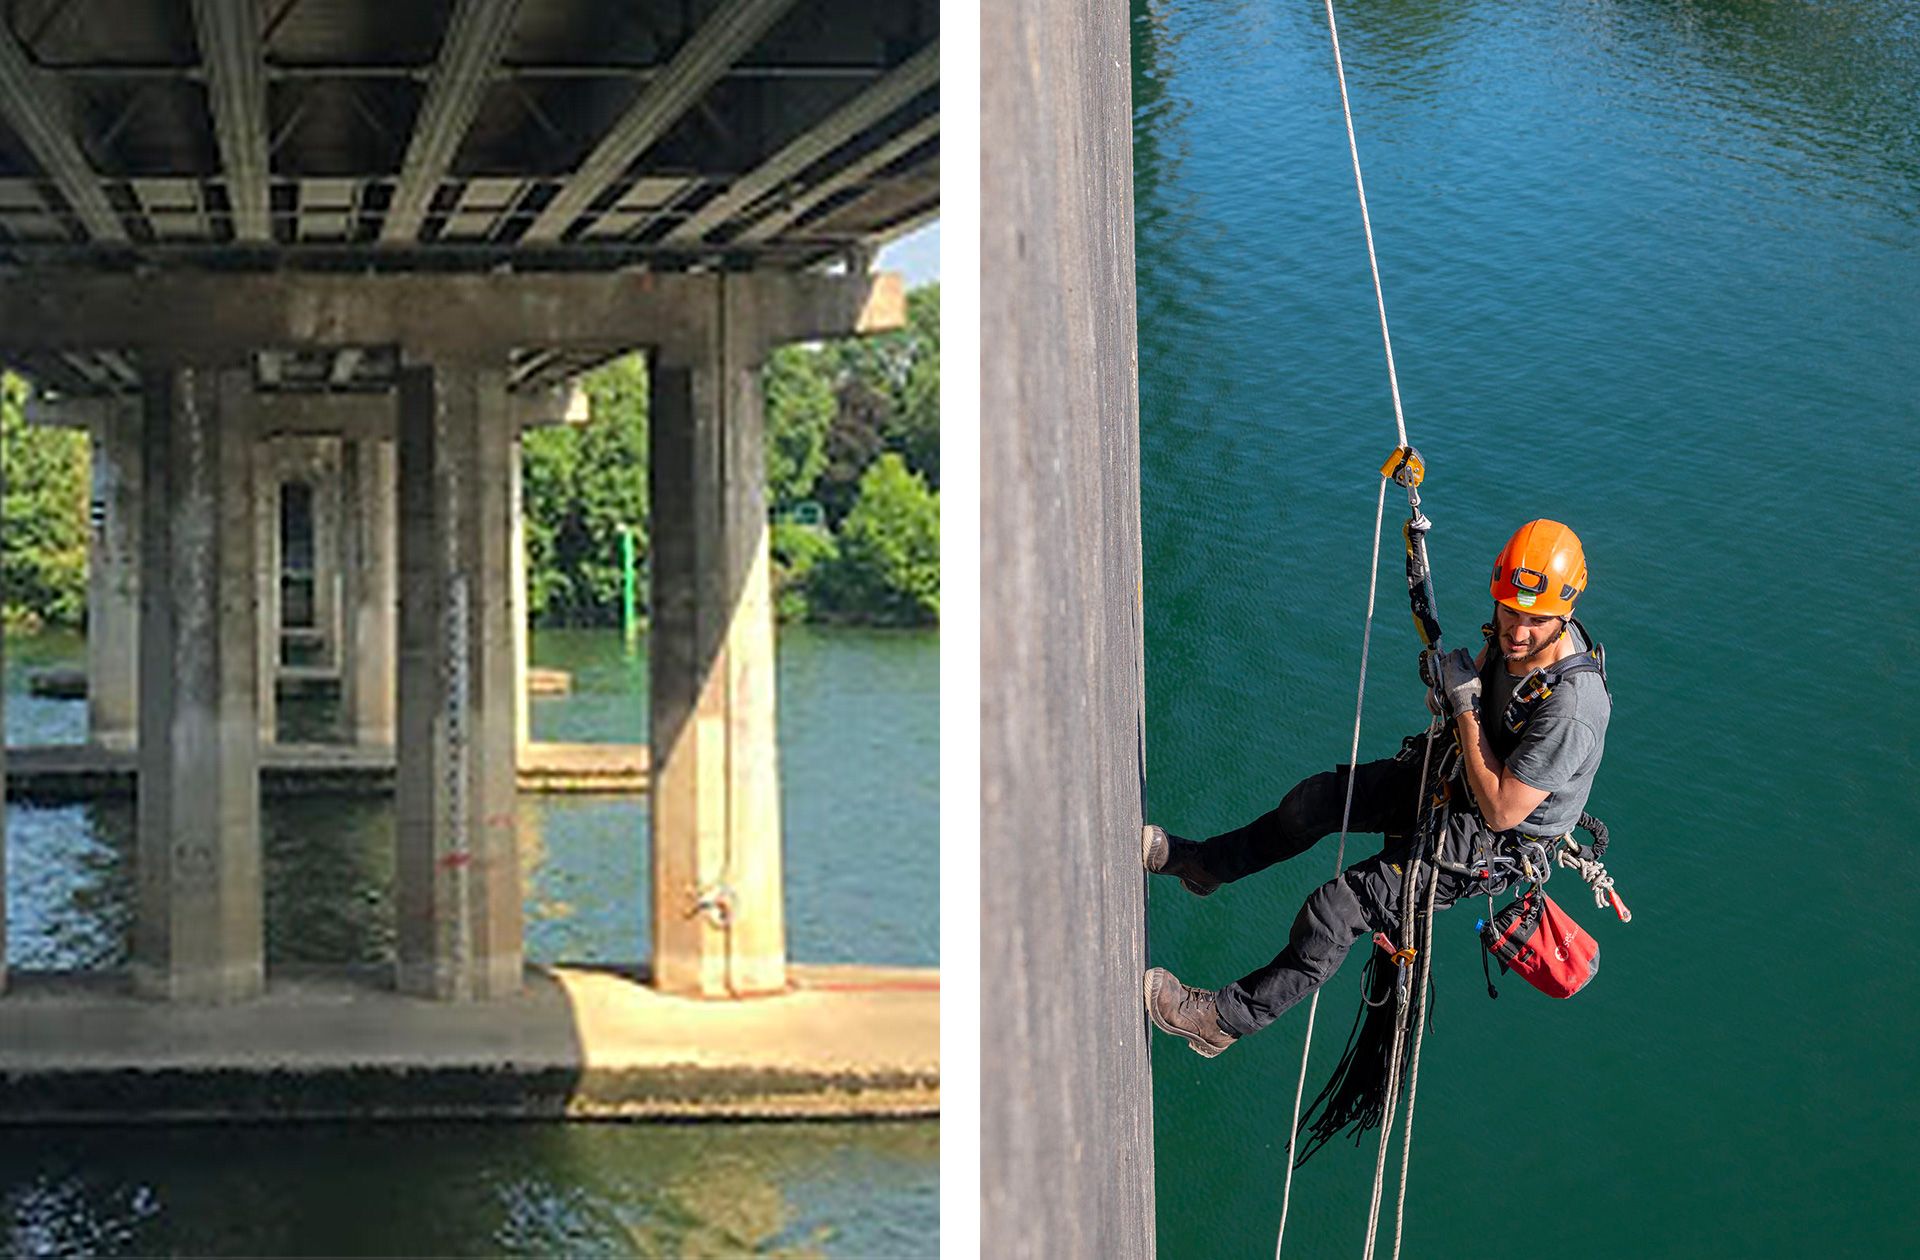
<point x="573" y="1043"/>
<point x="62" y="773"/>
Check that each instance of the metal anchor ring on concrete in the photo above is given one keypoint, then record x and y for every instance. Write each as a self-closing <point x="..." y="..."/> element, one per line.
<point x="716" y="902"/>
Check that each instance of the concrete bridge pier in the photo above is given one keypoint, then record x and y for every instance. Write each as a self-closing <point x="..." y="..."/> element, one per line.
<point x="113" y="576"/>
<point x="267" y="564"/>
<point x="368" y="539"/>
<point x="458" y="873"/>
<point x="197" y="932"/>
<point x="719" y="927"/>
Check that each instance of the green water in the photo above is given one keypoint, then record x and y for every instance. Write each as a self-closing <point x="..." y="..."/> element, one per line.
<point x="859" y="759"/>
<point x="1653" y="268"/>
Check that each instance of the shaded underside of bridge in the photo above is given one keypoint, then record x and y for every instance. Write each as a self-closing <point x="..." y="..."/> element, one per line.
<point x="455" y="135"/>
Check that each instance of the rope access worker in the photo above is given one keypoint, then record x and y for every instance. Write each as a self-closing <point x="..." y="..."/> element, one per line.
<point x="1530" y="714"/>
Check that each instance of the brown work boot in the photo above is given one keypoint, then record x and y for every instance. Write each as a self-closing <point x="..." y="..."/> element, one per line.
<point x="1163" y="854"/>
<point x="1185" y="1012"/>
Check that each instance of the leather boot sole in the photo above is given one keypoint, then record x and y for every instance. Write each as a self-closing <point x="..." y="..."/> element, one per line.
<point x="1146" y="859"/>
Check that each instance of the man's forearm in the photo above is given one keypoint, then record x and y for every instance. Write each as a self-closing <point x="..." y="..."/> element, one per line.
<point x="1505" y="801"/>
<point x="1482" y="768"/>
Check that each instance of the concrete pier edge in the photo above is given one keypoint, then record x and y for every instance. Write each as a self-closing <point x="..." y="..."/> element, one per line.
<point x="578" y="1043"/>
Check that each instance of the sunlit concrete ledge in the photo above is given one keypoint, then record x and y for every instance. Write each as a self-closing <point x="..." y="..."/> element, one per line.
<point x="577" y="1043"/>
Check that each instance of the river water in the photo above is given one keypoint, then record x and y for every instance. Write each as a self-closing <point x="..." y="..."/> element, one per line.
<point x="859" y="746"/>
<point x="1653" y="269"/>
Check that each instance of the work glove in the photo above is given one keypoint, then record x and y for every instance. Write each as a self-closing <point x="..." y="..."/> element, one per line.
<point x="1460" y="681"/>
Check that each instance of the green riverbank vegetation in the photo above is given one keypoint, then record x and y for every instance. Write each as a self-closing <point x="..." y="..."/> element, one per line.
<point x="853" y="482"/>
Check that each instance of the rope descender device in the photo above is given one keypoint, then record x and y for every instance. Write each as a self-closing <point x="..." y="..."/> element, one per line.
<point x="1407" y="469"/>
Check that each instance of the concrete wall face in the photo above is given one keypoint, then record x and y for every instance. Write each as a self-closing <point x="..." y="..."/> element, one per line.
<point x="1067" y="1134"/>
<point x="266" y="554"/>
<point x="113" y="579"/>
<point x="456" y="861"/>
<point x="369" y="540"/>
<point x="719" y="918"/>
<point x="198" y="928"/>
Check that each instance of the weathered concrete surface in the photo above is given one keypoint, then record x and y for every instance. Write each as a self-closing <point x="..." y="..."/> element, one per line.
<point x="1067" y="1134"/>
<point x="197" y="932"/>
<point x="844" y="1042"/>
<point x="456" y="871"/>
<point x="113" y="578"/>
<point x="186" y="313"/>
<point x="52" y="773"/>
<point x="719" y="912"/>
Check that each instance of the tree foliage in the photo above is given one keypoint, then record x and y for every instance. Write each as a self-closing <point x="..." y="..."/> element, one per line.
<point x="800" y="410"/>
<point x="43" y="525"/>
<point x="582" y="486"/>
<point x="888" y="569"/>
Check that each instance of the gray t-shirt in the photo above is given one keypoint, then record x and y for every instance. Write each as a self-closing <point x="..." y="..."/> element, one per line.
<point x="1559" y="752"/>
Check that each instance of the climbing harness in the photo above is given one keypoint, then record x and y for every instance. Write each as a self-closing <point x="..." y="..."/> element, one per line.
<point x="1402" y="969"/>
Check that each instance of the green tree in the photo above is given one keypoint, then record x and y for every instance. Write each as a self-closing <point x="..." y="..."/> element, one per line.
<point x="582" y="484"/>
<point x="888" y="570"/>
<point x="43" y="524"/>
<point x="800" y="409"/>
<point x="888" y="390"/>
<point x="913" y="426"/>
<point x="802" y="555"/>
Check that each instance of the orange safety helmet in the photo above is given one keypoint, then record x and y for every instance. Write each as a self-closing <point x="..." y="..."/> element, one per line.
<point x="1541" y="570"/>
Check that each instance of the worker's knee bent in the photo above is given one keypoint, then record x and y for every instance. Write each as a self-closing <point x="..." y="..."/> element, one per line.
<point x="1330" y="920"/>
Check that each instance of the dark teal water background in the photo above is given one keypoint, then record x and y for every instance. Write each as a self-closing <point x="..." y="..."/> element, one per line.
<point x="859" y="747"/>
<point x="1653" y="268"/>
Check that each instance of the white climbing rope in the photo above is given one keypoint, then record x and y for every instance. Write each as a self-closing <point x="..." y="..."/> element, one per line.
<point x="1339" y="858"/>
<point x="1419" y="1033"/>
<point x="1346" y="810"/>
<point x="1366" y="222"/>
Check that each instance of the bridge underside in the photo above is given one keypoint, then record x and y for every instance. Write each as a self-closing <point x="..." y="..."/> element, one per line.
<point x="232" y="227"/>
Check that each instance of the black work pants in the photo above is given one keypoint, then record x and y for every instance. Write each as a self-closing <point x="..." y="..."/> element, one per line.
<point x="1364" y="898"/>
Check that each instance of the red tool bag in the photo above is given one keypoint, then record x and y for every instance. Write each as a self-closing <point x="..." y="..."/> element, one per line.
<point x="1535" y="939"/>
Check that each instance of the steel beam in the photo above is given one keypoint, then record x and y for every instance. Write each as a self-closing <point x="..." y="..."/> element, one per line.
<point x="892" y="151"/>
<point x="721" y="40"/>
<point x="236" y="67"/>
<point x="26" y="97"/>
<point x="913" y="76"/>
<point x="470" y="318"/>
<point x="476" y="37"/>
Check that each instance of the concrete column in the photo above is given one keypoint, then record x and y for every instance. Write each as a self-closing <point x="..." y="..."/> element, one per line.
<point x="113" y="578"/>
<point x="517" y="509"/>
<point x="197" y="934"/>
<point x="369" y="536"/>
<point x="458" y="874"/>
<point x="719" y="925"/>
<point x="323" y="458"/>
<point x="266" y="487"/>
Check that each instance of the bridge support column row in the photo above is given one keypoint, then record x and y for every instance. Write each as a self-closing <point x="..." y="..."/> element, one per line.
<point x="719" y="924"/>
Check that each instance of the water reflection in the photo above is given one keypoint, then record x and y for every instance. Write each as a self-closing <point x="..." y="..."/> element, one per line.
<point x="785" y="1190"/>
